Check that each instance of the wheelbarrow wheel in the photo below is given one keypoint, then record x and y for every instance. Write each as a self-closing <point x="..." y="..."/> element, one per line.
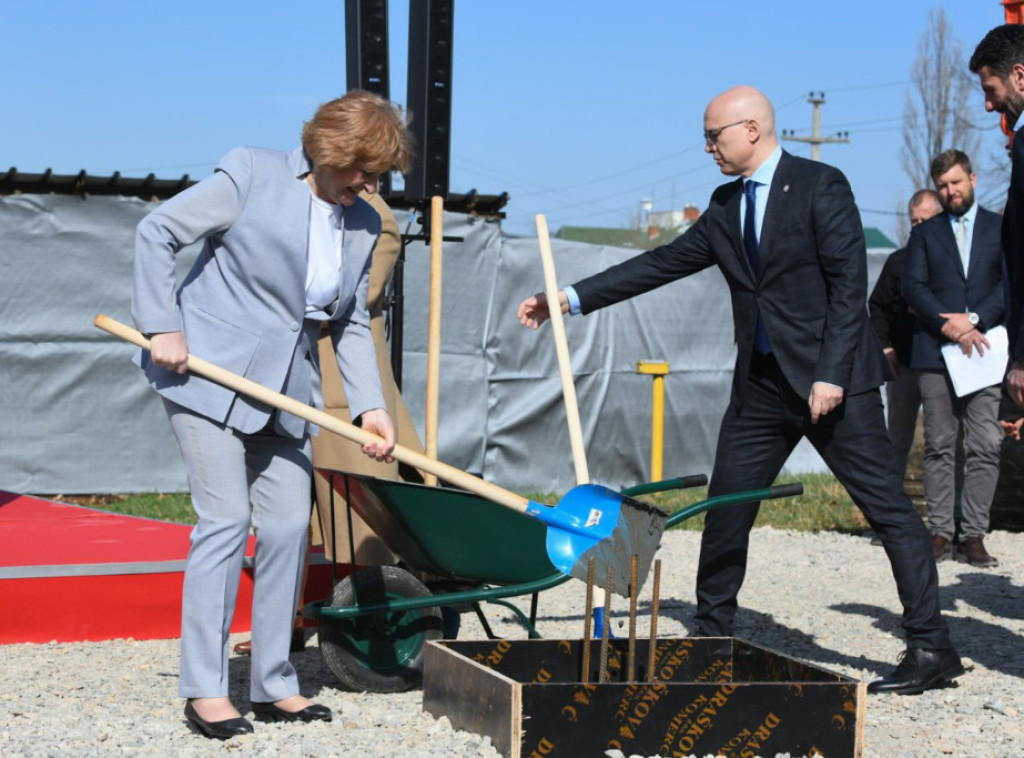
<point x="378" y="652"/>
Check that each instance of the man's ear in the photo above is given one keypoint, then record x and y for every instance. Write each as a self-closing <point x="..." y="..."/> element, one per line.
<point x="1016" y="78"/>
<point x="753" y="127"/>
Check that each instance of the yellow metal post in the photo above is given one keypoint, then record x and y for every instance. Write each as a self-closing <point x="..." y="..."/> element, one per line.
<point x="657" y="369"/>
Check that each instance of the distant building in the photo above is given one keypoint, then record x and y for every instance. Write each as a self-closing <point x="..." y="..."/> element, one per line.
<point x="876" y="240"/>
<point x="665" y="226"/>
<point x="662" y="227"/>
<point x="674" y="219"/>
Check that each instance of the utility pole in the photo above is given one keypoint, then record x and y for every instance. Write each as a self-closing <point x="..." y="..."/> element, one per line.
<point x="817" y="100"/>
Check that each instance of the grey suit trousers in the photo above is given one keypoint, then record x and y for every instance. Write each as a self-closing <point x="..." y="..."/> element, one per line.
<point x="944" y="413"/>
<point x="236" y="478"/>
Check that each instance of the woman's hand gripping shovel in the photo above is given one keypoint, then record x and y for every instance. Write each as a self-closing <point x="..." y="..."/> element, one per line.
<point x="589" y="521"/>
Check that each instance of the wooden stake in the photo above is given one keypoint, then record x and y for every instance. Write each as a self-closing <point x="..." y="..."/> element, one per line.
<point x="655" y="600"/>
<point x="588" y="621"/>
<point x="602" y="670"/>
<point x="631" y="653"/>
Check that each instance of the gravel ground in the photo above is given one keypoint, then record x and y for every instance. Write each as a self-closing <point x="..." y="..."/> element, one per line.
<point x="824" y="598"/>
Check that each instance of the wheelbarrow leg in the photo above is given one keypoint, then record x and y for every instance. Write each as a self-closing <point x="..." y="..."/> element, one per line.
<point x="483" y="621"/>
<point x="450" y="622"/>
<point x="335" y="578"/>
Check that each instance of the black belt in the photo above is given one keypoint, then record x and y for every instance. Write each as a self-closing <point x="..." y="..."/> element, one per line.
<point x="763" y="363"/>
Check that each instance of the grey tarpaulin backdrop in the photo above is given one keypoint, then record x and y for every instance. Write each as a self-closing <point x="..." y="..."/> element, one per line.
<point x="78" y="418"/>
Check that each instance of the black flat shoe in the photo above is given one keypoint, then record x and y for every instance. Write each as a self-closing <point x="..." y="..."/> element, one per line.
<point x="919" y="670"/>
<point x="218" y="730"/>
<point x="270" y="712"/>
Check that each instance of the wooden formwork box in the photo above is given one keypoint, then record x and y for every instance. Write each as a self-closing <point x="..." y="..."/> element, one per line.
<point x="717" y="695"/>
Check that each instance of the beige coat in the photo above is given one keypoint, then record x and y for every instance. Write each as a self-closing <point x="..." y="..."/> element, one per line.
<point x="330" y="450"/>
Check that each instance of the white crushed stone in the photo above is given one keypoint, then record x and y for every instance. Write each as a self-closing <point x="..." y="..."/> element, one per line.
<point x="825" y="598"/>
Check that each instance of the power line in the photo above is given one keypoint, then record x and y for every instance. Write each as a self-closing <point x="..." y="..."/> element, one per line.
<point x="853" y="88"/>
<point x="588" y="182"/>
<point x="505" y="177"/>
<point x="867" y="86"/>
<point x="638" y="188"/>
<point x="637" y="167"/>
<point x="884" y="129"/>
<point x="855" y="123"/>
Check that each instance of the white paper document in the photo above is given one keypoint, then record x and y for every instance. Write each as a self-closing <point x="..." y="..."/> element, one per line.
<point x="978" y="371"/>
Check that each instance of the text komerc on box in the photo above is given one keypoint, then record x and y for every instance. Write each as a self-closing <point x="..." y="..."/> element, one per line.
<point x="718" y="695"/>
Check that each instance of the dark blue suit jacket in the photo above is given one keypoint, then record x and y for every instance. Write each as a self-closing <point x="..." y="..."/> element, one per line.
<point x="1013" y="248"/>
<point x="811" y="288"/>
<point x="934" y="281"/>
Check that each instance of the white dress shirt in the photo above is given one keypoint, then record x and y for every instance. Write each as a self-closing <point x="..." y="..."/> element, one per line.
<point x="323" y="268"/>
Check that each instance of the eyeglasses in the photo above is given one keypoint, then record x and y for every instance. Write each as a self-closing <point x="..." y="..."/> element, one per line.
<point x="711" y="137"/>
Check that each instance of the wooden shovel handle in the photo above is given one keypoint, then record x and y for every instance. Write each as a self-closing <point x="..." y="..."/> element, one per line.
<point x="434" y="332"/>
<point x="572" y="411"/>
<point x="308" y="413"/>
<point x="572" y="408"/>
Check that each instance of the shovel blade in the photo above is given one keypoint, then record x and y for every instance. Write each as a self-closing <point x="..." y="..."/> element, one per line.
<point x="591" y="520"/>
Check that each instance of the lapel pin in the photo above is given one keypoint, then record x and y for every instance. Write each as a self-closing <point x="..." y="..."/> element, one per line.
<point x="785" y="188"/>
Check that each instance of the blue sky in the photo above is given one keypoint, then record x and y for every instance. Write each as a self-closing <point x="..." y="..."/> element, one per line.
<point x="577" y="109"/>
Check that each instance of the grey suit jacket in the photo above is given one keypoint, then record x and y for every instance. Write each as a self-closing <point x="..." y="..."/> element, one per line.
<point x="242" y="305"/>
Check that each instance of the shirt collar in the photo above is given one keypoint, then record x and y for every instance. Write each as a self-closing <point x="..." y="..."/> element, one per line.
<point x="766" y="171"/>
<point x="1020" y="122"/>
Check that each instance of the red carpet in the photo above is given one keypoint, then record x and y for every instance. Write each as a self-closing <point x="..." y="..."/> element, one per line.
<point x="69" y="573"/>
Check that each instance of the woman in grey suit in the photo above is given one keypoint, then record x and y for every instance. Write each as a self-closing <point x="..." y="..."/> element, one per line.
<point x="287" y="247"/>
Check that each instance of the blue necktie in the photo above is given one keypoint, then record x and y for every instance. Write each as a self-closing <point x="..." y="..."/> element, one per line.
<point x="761" y="343"/>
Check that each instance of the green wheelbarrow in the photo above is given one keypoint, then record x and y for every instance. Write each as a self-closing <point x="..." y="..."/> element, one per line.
<point x="467" y="552"/>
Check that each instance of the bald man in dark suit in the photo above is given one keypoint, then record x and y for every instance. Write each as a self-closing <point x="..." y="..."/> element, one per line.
<point x="789" y="241"/>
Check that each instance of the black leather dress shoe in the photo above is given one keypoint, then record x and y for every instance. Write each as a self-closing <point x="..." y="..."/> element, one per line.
<point x="270" y="712"/>
<point x="919" y="670"/>
<point x="218" y="730"/>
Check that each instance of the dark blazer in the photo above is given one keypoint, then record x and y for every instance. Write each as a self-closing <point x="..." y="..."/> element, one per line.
<point x="934" y="281"/>
<point x="811" y="289"/>
<point x="890" y="317"/>
<point x="1013" y="248"/>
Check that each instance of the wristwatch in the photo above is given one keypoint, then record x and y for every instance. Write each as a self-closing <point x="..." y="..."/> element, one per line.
<point x="973" y="318"/>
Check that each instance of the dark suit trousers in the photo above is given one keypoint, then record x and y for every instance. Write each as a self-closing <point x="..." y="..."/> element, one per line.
<point x="753" y="444"/>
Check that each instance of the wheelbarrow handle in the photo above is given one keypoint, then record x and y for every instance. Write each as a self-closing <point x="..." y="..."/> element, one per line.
<point x="679" y="483"/>
<point x="736" y="498"/>
<point x="308" y="413"/>
<point x="786" y="490"/>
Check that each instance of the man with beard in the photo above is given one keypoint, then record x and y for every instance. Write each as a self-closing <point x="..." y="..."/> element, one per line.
<point x="953" y="281"/>
<point x="998" y="61"/>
